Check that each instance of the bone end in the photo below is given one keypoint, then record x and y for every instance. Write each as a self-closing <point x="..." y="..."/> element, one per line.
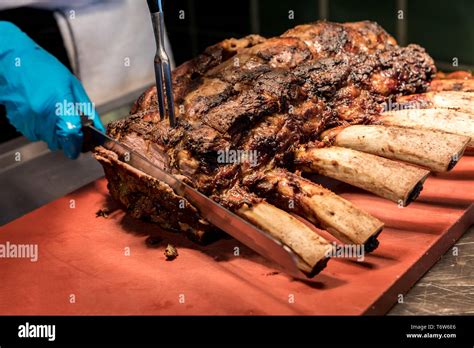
<point x="396" y="181"/>
<point x="435" y="150"/>
<point x="322" y="207"/>
<point x="310" y="248"/>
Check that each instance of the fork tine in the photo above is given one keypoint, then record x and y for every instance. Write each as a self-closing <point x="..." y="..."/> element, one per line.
<point x="159" y="88"/>
<point x="162" y="64"/>
<point x="169" y="92"/>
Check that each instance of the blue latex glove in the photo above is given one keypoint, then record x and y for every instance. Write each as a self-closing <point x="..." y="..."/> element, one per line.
<point x="41" y="96"/>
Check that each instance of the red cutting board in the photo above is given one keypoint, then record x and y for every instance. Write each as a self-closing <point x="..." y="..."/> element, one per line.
<point x="83" y="267"/>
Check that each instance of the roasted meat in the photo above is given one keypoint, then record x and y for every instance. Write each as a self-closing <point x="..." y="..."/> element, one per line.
<point x="254" y="112"/>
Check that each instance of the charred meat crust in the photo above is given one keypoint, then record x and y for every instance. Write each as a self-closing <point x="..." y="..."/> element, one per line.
<point x="147" y="198"/>
<point x="263" y="95"/>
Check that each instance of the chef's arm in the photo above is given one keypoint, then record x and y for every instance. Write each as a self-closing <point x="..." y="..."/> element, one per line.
<point x="41" y="96"/>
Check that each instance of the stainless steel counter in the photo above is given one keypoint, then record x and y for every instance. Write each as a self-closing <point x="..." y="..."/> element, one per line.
<point x="35" y="181"/>
<point x="31" y="175"/>
<point x="448" y="287"/>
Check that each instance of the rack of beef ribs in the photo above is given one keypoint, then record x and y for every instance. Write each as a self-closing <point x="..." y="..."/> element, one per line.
<point x="320" y="98"/>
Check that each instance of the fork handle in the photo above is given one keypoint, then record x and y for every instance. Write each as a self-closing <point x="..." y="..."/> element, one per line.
<point x="154" y="6"/>
<point x="158" y="28"/>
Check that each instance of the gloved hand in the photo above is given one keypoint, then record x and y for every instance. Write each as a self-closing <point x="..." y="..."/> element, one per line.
<point x="41" y="96"/>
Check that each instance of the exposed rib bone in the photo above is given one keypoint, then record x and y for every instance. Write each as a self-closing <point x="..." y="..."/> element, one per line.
<point x="452" y="85"/>
<point x="435" y="150"/>
<point x="310" y="248"/>
<point x="393" y="180"/>
<point x="305" y="243"/>
<point x="461" y="101"/>
<point x="322" y="207"/>
<point x="439" y="119"/>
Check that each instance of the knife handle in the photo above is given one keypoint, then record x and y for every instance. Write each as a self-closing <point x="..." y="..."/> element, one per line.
<point x="87" y="134"/>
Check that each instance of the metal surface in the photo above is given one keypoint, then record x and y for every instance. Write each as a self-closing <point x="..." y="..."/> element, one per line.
<point x="446" y="289"/>
<point x="323" y="7"/>
<point x="18" y="151"/>
<point x="162" y="70"/>
<point x="402" y="24"/>
<point x="31" y="175"/>
<point x="248" y="234"/>
<point x="30" y="184"/>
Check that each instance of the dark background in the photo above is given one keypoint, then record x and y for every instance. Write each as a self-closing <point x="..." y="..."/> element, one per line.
<point x="444" y="27"/>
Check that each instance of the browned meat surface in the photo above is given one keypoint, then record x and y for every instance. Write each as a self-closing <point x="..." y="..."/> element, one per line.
<point x="262" y="96"/>
<point x="455" y="81"/>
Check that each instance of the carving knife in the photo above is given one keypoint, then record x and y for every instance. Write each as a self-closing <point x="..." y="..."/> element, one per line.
<point x="248" y="234"/>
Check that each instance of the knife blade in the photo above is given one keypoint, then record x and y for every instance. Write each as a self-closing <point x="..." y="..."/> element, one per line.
<point x="251" y="236"/>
